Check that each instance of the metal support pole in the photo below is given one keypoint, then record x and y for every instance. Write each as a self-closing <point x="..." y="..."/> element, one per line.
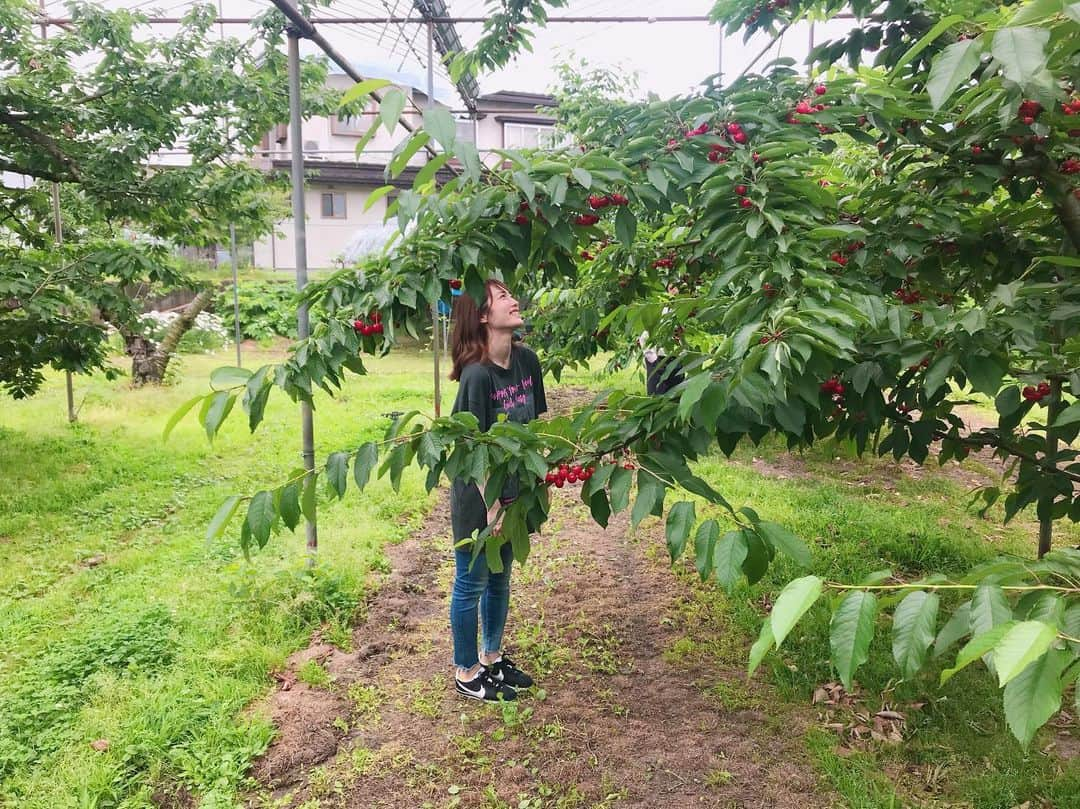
<point x="303" y="327"/>
<point x="58" y="232"/>
<point x="434" y="304"/>
<point x="719" y="56"/>
<point x="58" y="226"/>
<point x="235" y="290"/>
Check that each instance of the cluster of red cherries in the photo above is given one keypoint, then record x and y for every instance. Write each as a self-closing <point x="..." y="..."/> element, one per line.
<point x="598" y="201"/>
<point x="834" y="388"/>
<point x="1036" y="393"/>
<point x="564" y="474"/>
<point x="365" y="328"/>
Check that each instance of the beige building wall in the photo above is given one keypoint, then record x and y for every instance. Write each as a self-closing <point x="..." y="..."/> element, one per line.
<point x="326" y="237"/>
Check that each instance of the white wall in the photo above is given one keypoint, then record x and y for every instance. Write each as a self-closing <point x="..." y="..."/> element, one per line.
<point x="325" y="237"/>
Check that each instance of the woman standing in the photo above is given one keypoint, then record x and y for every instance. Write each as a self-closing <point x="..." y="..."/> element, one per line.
<point x="498" y="376"/>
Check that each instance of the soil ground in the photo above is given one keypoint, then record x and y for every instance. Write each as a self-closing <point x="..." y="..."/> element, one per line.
<point x="614" y="720"/>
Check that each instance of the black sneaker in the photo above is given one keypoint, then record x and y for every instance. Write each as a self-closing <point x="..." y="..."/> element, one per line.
<point x="505" y="671"/>
<point x="483" y="687"/>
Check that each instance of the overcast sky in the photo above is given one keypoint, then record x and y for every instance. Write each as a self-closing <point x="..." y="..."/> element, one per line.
<point x="669" y="58"/>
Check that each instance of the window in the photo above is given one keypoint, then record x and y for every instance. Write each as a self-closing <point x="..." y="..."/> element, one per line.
<point x="351" y="125"/>
<point x="333" y="205"/>
<point x="528" y="136"/>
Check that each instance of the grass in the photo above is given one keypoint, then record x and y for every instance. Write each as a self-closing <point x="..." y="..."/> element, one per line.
<point x="121" y="625"/>
<point x="133" y="651"/>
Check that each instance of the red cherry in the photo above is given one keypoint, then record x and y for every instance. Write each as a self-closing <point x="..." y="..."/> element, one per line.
<point x="733" y="128"/>
<point x="764" y="340"/>
<point x="571" y="478"/>
<point x="358" y="325"/>
<point x="628" y="466"/>
<point x="523" y="206"/>
<point x="1028" y="120"/>
<point x="521" y="219"/>
<point x="560" y="482"/>
<point x="804" y="108"/>
<point x="550" y="478"/>
<point x="576" y="470"/>
<point x="739" y="137"/>
<point x="741" y="190"/>
<point x="745" y="202"/>
<point x="597" y="202"/>
<point x="1030" y="393"/>
<point x="564" y="469"/>
<point x="976" y="150"/>
<point x="455" y="283"/>
<point x="377" y="328"/>
<point x="821" y="90"/>
<point x="586" y="219"/>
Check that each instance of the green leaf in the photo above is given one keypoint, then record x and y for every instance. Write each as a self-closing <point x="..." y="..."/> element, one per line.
<point x="989" y="608"/>
<point x="229" y="377"/>
<point x="705" y="546"/>
<point x="224" y="513"/>
<point x="378" y="194"/>
<point x="761" y="646"/>
<point x="976" y="648"/>
<point x="1072" y="11"/>
<point x="914" y="624"/>
<point x="850" y="633"/>
<point x="307" y="497"/>
<point x="951" y="68"/>
<point x="785" y="541"/>
<point x="728" y="557"/>
<point x="582" y="176"/>
<point x="289" y="505"/>
<point x="440" y="124"/>
<point x="925" y="42"/>
<point x="1070" y="415"/>
<point x="361" y="89"/>
<point x="625" y="226"/>
<point x="984" y="373"/>
<point x="838" y="231"/>
<point x="366" y="458"/>
<point x="1034" y="695"/>
<point x="220" y="404"/>
<point x="181" y="411"/>
<point x="620" y="488"/>
<point x="957" y="627"/>
<point x="679" y="519"/>
<point x="1021" y="645"/>
<point x="337" y="472"/>
<point x="1021" y="52"/>
<point x="413" y="145"/>
<point x="657" y="178"/>
<point x="260" y="516"/>
<point x="792" y="603"/>
<point x="390" y="108"/>
<point x="600" y="508"/>
<point x="649" y="491"/>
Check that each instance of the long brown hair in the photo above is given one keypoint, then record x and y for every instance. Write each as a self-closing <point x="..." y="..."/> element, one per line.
<point x="469" y="341"/>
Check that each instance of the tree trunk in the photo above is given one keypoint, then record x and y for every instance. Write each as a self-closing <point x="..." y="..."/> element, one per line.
<point x="150" y="360"/>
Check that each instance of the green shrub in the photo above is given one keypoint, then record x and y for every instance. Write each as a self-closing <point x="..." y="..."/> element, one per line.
<point x="267" y="309"/>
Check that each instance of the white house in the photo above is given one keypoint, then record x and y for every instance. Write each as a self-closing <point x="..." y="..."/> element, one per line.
<point x="340" y="181"/>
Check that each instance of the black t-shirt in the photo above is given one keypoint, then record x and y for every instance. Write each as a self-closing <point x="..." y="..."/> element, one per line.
<point x="487" y="391"/>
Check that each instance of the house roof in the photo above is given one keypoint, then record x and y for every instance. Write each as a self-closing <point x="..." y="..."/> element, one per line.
<point x="517" y="97"/>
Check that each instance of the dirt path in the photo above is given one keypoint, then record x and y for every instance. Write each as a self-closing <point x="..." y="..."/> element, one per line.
<point x="621" y="720"/>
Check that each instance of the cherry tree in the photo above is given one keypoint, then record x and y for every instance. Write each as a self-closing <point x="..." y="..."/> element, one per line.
<point x="854" y="253"/>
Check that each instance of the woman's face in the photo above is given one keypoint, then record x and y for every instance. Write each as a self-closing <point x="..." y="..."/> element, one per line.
<point x="502" y="310"/>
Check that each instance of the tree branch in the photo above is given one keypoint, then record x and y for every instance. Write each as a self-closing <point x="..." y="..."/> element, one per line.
<point x="41" y="139"/>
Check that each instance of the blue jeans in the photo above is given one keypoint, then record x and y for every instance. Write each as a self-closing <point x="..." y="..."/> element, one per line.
<point x="481" y="588"/>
